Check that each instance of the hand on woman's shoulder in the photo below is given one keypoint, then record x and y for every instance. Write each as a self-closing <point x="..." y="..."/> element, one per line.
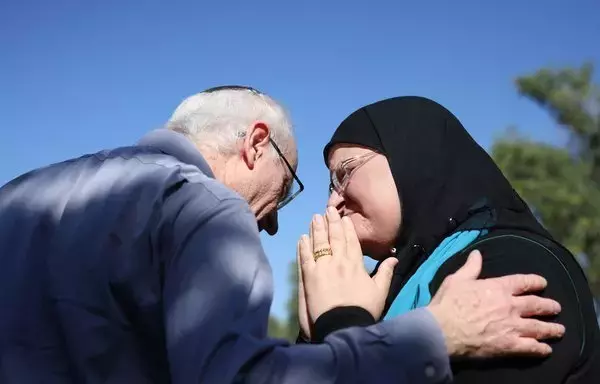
<point x="512" y="253"/>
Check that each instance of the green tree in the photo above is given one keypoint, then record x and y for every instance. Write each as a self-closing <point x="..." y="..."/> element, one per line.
<point x="573" y="99"/>
<point x="277" y="329"/>
<point x="562" y="184"/>
<point x="292" y="303"/>
<point x="288" y="328"/>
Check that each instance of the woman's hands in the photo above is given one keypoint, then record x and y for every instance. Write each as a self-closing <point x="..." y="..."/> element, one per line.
<point x="338" y="278"/>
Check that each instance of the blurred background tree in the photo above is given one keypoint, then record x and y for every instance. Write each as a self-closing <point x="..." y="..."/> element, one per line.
<point x="292" y="303"/>
<point x="288" y="328"/>
<point x="277" y="328"/>
<point x="562" y="185"/>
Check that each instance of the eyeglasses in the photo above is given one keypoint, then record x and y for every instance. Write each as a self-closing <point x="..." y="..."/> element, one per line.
<point x="290" y="191"/>
<point x="340" y="176"/>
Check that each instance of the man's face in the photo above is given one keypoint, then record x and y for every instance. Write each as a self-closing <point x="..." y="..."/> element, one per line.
<point x="262" y="176"/>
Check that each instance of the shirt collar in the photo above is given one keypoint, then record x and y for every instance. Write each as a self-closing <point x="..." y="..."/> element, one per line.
<point x="177" y="145"/>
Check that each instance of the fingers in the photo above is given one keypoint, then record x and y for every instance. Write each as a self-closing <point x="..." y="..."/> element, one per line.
<point x="301" y="300"/>
<point x="529" y="347"/>
<point x="319" y="236"/>
<point x="385" y="272"/>
<point x="529" y="306"/>
<point x="527" y="335"/>
<point x="305" y="254"/>
<point x="302" y="310"/>
<point x="299" y="263"/>
<point x="519" y="284"/>
<point x="540" y="330"/>
<point x="337" y="238"/>
<point x="471" y="269"/>
<point x="353" y="248"/>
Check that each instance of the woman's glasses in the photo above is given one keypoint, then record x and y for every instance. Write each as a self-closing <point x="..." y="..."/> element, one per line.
<point x="340" y="176"/>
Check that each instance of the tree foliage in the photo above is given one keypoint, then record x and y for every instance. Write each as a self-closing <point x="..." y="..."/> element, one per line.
<point x="562" y="184"/>
<point x="573" y="99"/>
<point x="292" y="304"/>
<point x="288" y="328"/>
<point x="277" y="328"/>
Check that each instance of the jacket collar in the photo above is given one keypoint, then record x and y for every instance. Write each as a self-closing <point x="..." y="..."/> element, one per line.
<point x="177" y="145"/>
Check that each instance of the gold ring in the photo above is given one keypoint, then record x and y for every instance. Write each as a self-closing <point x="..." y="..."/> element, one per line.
<point x="322" y="252"/>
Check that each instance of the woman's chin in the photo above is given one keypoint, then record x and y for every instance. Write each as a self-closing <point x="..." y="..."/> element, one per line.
<point x="375" y="251"/>
<point x="373" y="244"/>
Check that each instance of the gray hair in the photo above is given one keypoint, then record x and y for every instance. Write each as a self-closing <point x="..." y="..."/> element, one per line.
<point x="218" y="117"/>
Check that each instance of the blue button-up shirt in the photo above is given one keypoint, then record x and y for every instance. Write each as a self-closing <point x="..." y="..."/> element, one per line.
<point x="135" y="265"/>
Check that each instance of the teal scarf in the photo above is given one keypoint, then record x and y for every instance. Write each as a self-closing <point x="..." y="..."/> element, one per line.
<point x="415" y="293"/>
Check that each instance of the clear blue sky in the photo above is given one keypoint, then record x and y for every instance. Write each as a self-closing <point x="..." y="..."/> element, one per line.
<point x="80" y="76"/>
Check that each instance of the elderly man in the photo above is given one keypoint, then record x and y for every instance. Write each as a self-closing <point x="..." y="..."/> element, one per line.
<point x="144" y="264"/>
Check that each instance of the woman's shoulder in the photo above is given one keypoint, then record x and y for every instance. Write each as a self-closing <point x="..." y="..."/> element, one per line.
<point x="507" y="252"/>
<point x="515" y="251"/>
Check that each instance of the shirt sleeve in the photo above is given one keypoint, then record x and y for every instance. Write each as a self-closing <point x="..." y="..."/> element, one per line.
<point x="217" y="295"/>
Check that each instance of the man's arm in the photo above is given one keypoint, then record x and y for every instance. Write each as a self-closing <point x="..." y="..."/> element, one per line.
<point x="504" y="256"/>
<point x="217" y="295"/>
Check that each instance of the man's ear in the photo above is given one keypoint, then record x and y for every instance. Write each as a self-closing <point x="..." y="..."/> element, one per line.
<point x="256" y="143"/>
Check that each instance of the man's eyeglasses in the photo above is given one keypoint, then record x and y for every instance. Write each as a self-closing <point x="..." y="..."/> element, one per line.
<point x="292" y="189"/>
<point x="340" y="176"/>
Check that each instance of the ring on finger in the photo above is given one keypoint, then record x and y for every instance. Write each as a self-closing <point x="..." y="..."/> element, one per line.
<point x="322" y="252"/>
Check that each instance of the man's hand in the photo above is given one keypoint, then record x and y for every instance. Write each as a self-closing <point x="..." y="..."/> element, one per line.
<point x="339" y="279"/>
<point x="486" y="318"/>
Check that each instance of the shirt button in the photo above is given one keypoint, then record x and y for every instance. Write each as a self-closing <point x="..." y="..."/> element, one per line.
<point x="429" y="371"/>
<point x="452" y="224"/>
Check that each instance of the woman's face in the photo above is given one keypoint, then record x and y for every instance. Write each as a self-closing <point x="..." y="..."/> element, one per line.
<point x="363" y="189"/>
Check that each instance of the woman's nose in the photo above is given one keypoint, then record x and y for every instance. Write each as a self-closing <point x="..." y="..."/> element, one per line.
<point x="335" y="200"/>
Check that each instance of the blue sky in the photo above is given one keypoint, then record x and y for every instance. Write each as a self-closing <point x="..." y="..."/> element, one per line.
<point x="81" y="76"/>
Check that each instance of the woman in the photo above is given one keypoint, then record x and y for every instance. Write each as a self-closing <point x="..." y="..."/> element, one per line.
<point x="418" y="187"/>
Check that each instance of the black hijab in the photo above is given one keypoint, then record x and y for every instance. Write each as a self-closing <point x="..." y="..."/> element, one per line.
<point x="442" y="175"/>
